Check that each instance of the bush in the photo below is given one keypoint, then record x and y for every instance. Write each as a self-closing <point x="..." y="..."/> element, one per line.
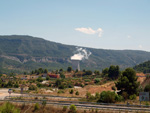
<point x="60" y="91"/>
<point x="72" y="109"/>
<point x="64" y="108"/>
<point x="87" y="80"/>
<point x="44" y="103"/>
<point x="119" y="98"/>
<point x="39" y="79"/>
<point x="61" y="86"/>
<point x="107" y="97"/>
<point x="71" y="91"/>
<point x="125" y="95"/>
<point x="97" y="95"/>
<point x="32" y="87"/>
<point x="70" y="85"/>
<point x="8" y="107"/>
<point x="77" y="93"/>
<point x="96" y="80"/>
<point x="36" y="107"/>
<point x="132" y="97"/>
<point x="88" y="95"/>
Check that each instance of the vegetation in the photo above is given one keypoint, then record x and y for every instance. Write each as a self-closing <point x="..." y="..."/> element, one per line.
<point x="109" y="97"/>
<point x="113" y="72"/>
<point x="8" y="107"/>
<point x="143" y="67"/>
<point x="27" y="48"/>
<point x="127" y="83"/>
<point x="147" y="88"/>
<point x="72" y="109"/>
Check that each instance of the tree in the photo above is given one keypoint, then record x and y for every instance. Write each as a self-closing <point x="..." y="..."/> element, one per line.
<point x="113" y="72"/>
<point x="62" y="75"/>
<point x="58" y="82"/>
<point x="47" y="78"/>
<point x="77" y="93"/>
<point x="128" y="82"/>
<point x="69" y="69"/>
<point x="40" y="70"/>
<point x="61" y="70"/>
<point x="96" y="72"/>
<point x="72" y="109"/>
<point x="71" y="91"/>
<point x="39" y="79"/>
<point x="147" y="88"/>
<point x="105" y="71"/>
<point x="88" y="72"/>
<point x="96" y="80"/>
<point x="45" y="71"/>
<point x="25" y="73"/>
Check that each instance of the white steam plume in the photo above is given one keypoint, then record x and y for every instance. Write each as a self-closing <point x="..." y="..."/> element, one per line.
<point x="81" y="54"/>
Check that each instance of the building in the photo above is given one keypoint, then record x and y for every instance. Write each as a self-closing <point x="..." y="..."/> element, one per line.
<point x="53" y="75"/>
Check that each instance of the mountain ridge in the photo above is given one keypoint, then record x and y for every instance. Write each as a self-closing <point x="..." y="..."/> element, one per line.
<point x="38" y="52"/>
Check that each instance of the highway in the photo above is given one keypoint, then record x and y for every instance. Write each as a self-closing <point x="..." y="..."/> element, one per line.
<point x="86" y="105"/>
<point x="4" y="96"/>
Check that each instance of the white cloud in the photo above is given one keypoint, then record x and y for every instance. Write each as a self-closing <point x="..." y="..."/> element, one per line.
<point x="90" y="31"/>
<point x="140" y="46"/>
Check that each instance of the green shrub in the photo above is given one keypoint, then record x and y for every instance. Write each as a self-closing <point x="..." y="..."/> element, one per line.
<point x="77" y="93"/>
<point x="87" y="80"/>
<point x="60" y="91"/>
<point x="70" y="85"/>
<point x="132" y="97"/>
<point x="72" y="109"/>
<point x="61" y="86"/>
<point x="107" y="97"/>
<point x="64" y="108"/>
<point x="88" y="95"/>
<point x="71" y="91"/>
<point x="32" y="87"/>
<point x="8" y="107"/>
<point x="97" y="95"/>
<point x="44" y="103"/>
<point x="96" y="80"/>
<point x="119" y="98"/>
<point x="36" y="107"/>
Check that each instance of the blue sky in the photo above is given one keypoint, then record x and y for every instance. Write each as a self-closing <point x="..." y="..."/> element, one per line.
<point x="106" y="24"/>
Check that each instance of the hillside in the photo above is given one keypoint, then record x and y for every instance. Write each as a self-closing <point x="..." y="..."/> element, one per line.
<point x="143" y="67"/>
<point x="24" y="53"/>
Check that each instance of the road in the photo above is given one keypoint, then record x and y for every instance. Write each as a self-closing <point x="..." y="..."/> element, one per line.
<point x="4" y="93"/>
<point x="85" y="105"/>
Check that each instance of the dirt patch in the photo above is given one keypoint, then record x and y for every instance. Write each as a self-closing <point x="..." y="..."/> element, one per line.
<point x="100" y="88"/>
<point x="141" y="77"/>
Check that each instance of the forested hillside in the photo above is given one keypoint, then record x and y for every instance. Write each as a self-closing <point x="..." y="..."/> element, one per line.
<point x="25" y="53"/>
<point x="143" y="67"/>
